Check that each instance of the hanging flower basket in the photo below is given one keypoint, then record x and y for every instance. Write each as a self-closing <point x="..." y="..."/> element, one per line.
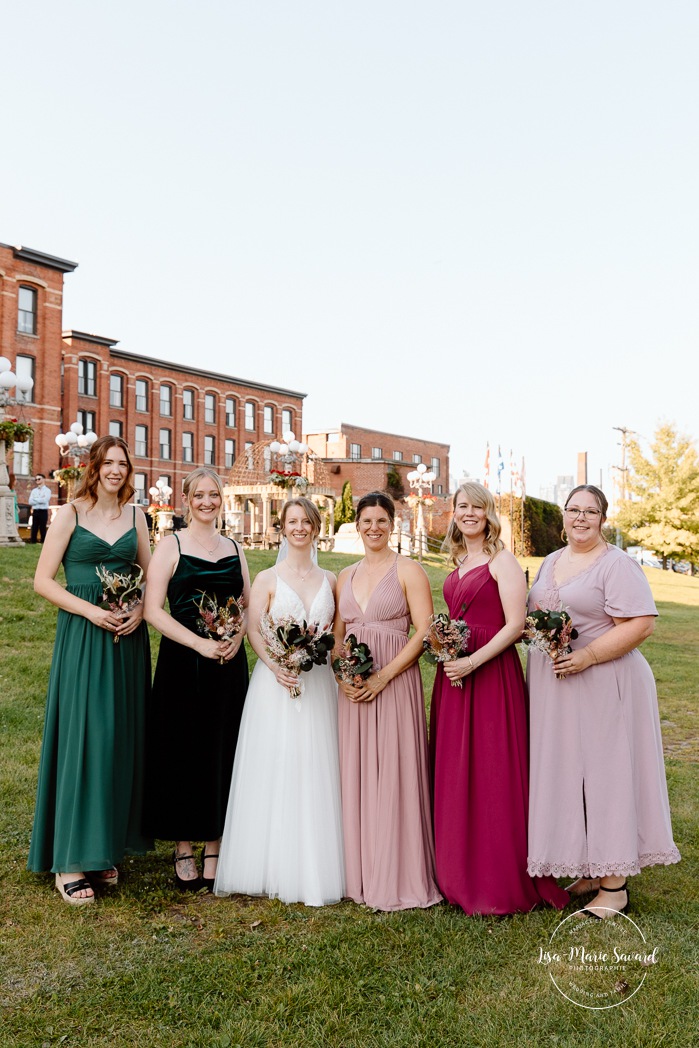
<point x="12" y="431"/>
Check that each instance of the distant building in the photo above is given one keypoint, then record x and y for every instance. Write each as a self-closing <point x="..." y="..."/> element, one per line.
<point x="557" y="492"/>
<point x="172" y="416"/>
<point x="372" y="460"/>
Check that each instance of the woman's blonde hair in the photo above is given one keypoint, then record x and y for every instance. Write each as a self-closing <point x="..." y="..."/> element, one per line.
<point x="308" y="507"/>
<point x="454" y="542"/>
<point x="189" y="486"/>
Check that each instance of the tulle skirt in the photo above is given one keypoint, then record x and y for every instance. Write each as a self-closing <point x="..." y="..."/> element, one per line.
<point x="283" y="832"/>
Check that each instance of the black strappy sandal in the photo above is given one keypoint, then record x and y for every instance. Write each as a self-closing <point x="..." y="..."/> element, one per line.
<point x="70" y="889"/>
<point x="192" y="885"/>
<point x="591" y="913"/>
<point x="207" y="882"/>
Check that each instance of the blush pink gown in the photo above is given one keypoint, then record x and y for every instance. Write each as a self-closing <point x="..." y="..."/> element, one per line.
<point x="479" y="746"/>
<point x="389" y="854"/>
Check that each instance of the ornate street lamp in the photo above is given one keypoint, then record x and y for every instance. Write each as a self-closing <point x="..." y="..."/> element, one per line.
<point x="74" y="445"/>
<point x="421" y="481"/>
<point x="10" y="430"/>
<point x="161" y="508"/>
<point x="286" y="463"/>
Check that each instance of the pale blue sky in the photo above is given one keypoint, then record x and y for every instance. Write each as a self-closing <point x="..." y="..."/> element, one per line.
<point x="468" y="222"/>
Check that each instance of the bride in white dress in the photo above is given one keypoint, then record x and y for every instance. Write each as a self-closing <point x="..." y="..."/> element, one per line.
<point x="283" y="832"/>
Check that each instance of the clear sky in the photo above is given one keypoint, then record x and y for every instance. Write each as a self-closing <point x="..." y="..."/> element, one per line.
<point x="468" y="222"/>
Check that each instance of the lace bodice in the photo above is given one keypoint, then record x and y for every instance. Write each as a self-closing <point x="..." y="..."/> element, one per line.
<point x="286" y="601"/>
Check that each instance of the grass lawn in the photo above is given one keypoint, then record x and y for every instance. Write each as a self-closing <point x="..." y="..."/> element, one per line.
<point x="147" y="967"/>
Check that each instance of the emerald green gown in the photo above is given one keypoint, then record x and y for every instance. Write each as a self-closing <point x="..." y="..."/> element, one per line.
<point x="90" y="792"/>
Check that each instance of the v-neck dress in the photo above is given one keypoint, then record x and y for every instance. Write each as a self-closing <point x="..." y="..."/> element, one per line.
<point x="283" y="832"/>
<point x="480" y="759"/>
<point x="598" y="796"/>
<point x="90" y="791"/>
<point x="195" y="711"/>
<point x="389" y="850"/>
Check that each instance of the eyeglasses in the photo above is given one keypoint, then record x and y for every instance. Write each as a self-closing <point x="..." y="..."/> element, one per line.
<point x="383" y="523"/>
<point x="588" y="514"/>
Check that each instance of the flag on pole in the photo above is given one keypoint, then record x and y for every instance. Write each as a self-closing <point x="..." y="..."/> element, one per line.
<point x="501" y="468"/>
<point x="522" y="481"/>
<point x="515" y="479"/>
<point x="486" y="467"/>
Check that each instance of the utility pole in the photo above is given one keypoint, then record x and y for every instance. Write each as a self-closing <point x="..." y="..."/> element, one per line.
<point x="622" y="470"/>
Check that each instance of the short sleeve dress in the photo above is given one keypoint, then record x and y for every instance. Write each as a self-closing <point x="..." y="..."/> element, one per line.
<point x="90" y="792"/>
<point x="598" y="796"/>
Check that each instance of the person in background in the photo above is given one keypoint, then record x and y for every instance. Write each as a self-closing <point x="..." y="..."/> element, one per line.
<point x="39" y="499"/>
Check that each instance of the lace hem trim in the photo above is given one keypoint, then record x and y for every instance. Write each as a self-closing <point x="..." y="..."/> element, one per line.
<point x="627" y="868"/>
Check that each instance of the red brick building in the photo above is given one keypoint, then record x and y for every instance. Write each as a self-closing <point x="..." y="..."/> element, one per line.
<point x="372" y="460"/>
<point x="173" y="417"/>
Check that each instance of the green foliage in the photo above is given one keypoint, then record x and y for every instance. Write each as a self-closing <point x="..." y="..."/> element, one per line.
<point x="663" y="512"/>
<point x="394" y="484"/>
<point x="344" y="507"/>
<point x="543" y="523"/>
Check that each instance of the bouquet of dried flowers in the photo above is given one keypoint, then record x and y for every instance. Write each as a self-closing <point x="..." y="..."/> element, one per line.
<point x="219" y="621"/>
<point x="549" y="631"/>
<point x="121" y="590"/>
<point x="355" y="662"/>
<point x="446" y="640"/>
<point x="295" y="646"/>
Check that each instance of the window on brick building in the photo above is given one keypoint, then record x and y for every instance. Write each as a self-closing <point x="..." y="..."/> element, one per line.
<point x="377" y="453"/>
<point x="355" y="451"/>
<point x="165" y="477"/>
<point x="87" y="378"/>
<point x="116" y="429"/>
<point x="440" y="490"/>
<point x="25" y="368"/>
<point x="210" y="408"/>
<point x="230" y="412"/>
<point x="188" y="404"/>
<point x="436" y="466"/>
<point x="86" y="420"/>
<point x="140" y="483"/>
<point x="287" y="421"/>
<point x="268" y="419"/>
<point x="209" y="451"/>
<point x="165" y="443"/>
<point x="166" y="400"/>
<point x="26" y="311"/>
<point x="188" y="447"/>
<point x="21" y="459"/>
<point x="397" y="456"/>
<point x="229" y="455"/>
<point x="250" y="415"/>
<point x="116" y="391"/>
<point x="141" y="441"/>
<point x="417" y="459"/>
<point x="141" y="394"/>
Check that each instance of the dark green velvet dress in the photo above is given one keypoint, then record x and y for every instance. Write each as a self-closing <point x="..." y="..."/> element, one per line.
<point x="89" y="804"/>
<point x="195" y="713"/>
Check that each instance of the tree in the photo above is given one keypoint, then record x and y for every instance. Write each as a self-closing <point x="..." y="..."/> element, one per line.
<point x="394" y="484"/>
<point x="344" y="507"/>
<point x="663" y="512"/>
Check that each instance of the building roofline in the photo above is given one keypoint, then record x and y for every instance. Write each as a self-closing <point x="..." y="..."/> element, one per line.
<point x="184" y="369"/>
<point x="381" y="432"/>
<point x="85" y="336"/>
<point x="30" y="254"/>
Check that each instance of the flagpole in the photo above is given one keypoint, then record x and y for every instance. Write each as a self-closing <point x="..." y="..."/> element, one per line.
<point x="512" y="523"/>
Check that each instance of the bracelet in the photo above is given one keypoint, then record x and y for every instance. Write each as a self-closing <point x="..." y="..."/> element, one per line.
<point x="592" y="652"/>
<point x="470" y="663"/>
<point x="378" y="677"/>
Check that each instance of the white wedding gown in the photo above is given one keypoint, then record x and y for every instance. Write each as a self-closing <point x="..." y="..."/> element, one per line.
<point x="283" y="832"/>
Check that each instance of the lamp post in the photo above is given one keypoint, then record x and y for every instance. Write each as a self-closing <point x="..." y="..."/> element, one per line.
<point x="420" y="479"/>
<point x="73" y="445"/>
<point x="8" y="381"/>
<point x="161" y="508"/>
<point x="285" y="470"/>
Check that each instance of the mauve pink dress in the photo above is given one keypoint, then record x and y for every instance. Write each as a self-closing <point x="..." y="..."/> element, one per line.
<point x="389" y="854"/>
<point x="598" y="796"/>
<point x="480" y="757"/>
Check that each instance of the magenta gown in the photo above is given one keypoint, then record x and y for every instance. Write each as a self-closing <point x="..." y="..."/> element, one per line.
<point x="479" y="748"/>
<point x="384" y="774"/>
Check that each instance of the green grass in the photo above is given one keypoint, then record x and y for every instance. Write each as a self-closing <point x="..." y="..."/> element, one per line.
<point x="146" y="967"/>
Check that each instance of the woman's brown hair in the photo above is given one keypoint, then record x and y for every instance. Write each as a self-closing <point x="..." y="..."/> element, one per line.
<point x="87" y="485"/>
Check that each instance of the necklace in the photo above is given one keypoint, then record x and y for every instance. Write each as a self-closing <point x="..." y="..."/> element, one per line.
<point x="372" y="571"/>
<point x="462" y="560"/>
<point x="302" y="577"/>
<point x="206" y="550"/>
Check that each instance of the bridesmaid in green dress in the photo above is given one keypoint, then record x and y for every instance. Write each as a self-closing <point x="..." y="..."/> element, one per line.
<point x="90" y="792"/>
